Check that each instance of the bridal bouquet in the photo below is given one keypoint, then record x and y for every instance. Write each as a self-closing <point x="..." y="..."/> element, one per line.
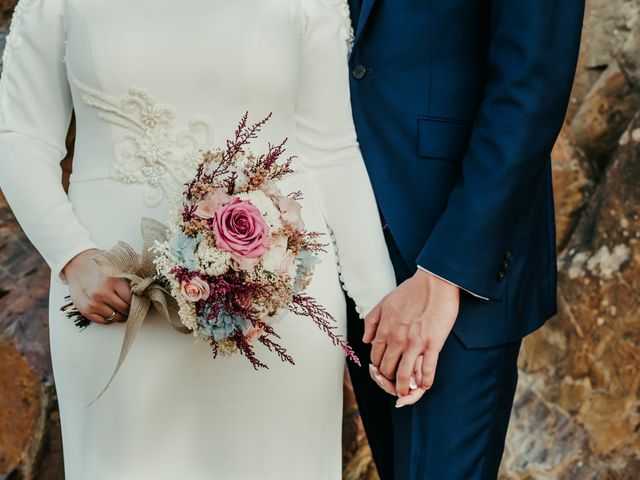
<point x="238" y="254"/>
<point x="234" y="258"/>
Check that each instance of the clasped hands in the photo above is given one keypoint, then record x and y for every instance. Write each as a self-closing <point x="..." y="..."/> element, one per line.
<point x="407" y="331"/>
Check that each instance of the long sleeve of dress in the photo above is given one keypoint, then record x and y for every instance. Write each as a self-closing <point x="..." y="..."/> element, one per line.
<point x="330" y="151"/>
<point x="35" y="111"/>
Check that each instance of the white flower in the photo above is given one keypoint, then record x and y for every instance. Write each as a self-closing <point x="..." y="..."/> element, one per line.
<point x="272" y="259"/>
<point x="164" y="259"/>
<point x="269" y="211"/>
<point x="213" y="262"/>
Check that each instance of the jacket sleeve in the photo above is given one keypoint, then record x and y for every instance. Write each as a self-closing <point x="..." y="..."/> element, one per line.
<point x="35" y="111"/>
<point x="531" y="63"/>
<point x="329" y="148"/>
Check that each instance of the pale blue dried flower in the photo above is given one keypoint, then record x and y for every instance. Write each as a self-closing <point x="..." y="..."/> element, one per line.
<point x="224" y="326"/>
<point x="184" y="248"/>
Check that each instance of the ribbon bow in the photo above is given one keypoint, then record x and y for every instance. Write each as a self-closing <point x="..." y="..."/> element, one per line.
<point x="123" y="262"/>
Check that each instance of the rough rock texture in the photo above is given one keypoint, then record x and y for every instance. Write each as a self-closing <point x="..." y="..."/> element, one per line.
<point x="573" y="180"/>
<point x="577" y="411"/>
<point x="30" y="444"/>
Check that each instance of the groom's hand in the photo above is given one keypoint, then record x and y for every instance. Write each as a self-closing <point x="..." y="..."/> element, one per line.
<point x="414" y="319"/>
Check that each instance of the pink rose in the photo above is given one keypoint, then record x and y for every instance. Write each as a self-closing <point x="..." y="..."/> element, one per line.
<point x="195" y="289"/>
<point x="290" y="210"/>
<point x="253" y="333"/>
<point x="244" y="300"/>
<point x="206" y="208"/>
<point x="240" y="229"/>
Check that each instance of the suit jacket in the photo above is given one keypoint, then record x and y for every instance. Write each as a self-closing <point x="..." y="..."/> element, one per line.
<point x="457" y="105"/>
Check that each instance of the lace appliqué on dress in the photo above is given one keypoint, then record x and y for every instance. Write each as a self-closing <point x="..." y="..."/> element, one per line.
<point x="151" y="151"/>
<point x="346" y="31"/>
<point x="14" y="41"/>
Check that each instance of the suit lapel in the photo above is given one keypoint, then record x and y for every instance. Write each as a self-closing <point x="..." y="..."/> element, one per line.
<point x="365" y="11"/>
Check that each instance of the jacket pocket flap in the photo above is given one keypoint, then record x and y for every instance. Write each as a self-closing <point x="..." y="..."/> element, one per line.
<point x="442" y="138"/>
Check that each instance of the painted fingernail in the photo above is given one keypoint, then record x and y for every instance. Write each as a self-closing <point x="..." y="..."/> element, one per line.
<point x="412" y="384"/>
<point x="375" y="373"/>
<point x="399" y="405"/>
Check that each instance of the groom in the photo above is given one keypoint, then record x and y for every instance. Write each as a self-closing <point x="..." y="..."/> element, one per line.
<point x="457" y="104"/>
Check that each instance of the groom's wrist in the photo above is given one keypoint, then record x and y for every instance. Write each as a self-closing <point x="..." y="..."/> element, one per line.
<point x="422" y="269"/>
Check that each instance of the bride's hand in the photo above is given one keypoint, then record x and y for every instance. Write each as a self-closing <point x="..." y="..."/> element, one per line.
<point x="93" y="293"/>
<point x="415" y="391"/>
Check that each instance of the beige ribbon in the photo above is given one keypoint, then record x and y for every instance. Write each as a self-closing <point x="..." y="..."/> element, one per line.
<point x="123" y="262"/>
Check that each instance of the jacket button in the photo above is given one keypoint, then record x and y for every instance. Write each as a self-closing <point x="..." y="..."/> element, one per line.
<point x="359" y="72"/>
<point x="508" y="254"/>
<point x="506" y="264"/>
<point x="500" y="276"/>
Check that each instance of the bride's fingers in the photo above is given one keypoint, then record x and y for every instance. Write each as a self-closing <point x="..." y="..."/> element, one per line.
<point x="384" y="383"/>
<point x="412" y="398"/>
<point x="95" y="318"/>
<point x="123" y="290"/>
<point x="117" y="304"/>
<point x="107" y="313"/>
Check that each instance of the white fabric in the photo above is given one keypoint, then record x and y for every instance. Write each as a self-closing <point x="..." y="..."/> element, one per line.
<point x="454" y="284"/>
<point x="151" y="84"/>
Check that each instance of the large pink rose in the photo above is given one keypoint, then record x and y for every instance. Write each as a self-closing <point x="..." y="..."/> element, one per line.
<point x="240" y="229"/>
<point x="195" y="289"/>
<point x="206" y="208"/>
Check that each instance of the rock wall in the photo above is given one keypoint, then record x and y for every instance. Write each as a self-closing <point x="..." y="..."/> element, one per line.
<point x="577" y="411"/>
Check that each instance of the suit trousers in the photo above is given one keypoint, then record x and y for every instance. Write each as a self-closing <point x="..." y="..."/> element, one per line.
<point x="457" y="430"/>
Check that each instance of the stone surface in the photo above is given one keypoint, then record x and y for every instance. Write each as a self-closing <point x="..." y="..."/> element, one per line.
<point x="357" y="461"/>
<point x="578" y="411"/>
<point x="6" y="9"/>
<point x="30" y="444"/>
<point x="574" y="177"/>
<point x="608" y="24"/>
<point x="604" y="114"/>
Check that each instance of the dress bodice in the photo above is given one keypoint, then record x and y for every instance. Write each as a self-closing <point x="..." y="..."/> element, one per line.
<point x="181" y="93"/>
<point x="152" y="87"/>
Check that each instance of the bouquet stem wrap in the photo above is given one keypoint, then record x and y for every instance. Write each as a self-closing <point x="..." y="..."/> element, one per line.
<point x="123" y="262"/>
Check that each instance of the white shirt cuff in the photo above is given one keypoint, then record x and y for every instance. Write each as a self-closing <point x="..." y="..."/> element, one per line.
<point x="461" y="288"/>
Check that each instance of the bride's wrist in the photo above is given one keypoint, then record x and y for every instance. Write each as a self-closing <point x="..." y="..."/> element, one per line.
<point x="73" y="264"/>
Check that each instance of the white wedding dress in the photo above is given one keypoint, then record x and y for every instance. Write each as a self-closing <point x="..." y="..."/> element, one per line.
<point x="153" y="83"/>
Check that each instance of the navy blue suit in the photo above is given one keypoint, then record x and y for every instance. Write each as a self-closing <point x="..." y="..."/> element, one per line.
<point x="457" y="105"/>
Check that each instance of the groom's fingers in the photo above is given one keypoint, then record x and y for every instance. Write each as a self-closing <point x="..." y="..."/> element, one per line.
<point x="378" y="347"/>
<point x="390" y="360"/>
<point x="417" y="370"/>
<point x="429" y="364"/>
<point x="405" y="379"/>
<point x="371" y="322"/>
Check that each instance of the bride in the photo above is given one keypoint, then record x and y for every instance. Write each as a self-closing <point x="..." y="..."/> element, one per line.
<point x="153" y="84"/>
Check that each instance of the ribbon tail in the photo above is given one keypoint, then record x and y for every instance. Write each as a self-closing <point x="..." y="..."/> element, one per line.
<point x="163" y="302"/>
<point x="137" y="314"/>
